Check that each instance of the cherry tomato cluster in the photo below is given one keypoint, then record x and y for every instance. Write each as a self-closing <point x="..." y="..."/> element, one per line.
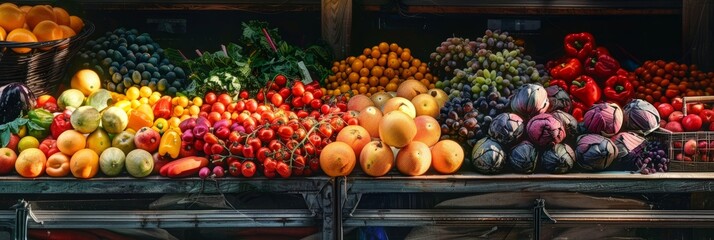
<point x="280" y="136"/>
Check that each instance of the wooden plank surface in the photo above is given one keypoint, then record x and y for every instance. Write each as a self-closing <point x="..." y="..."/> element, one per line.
<point x="608" y="182"/>
<point x="337" y="25"/>
<point x="156" y="184"/>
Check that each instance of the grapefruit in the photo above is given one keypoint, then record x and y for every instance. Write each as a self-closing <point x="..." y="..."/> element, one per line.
<point x="354" y="135"/>
<point x="414" y="159"/>
<point x="397" y="129"/>
<point x="428" y="130"/>
<point x="87" y="81"/>
<point x="369" y="119"/>
<point x="447" y="156"/>
<point x="71" y="141"/>
<point x="337" y="159"/>
<point x="376" y="159"/>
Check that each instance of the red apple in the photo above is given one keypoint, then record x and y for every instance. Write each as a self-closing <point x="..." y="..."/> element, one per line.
<point x="707" y="116"/>
<point x="676" y="116"/>
<point x="7" y="160"/>
<point x="677" y="103"/>
<point x="704" y="157"/>
<point x="14" y="140"/>
<point x="44" y="99"/>
<point x="702" y="144"/>
<point x="678" y="144"/>
<point x="148" y="139"/>
<point x="159" y="161"/>
<point x="692" y="122"/>
<point x="662" y="123"/>
<point x="690" y="147"/>
<point x="187" y="150"/>
<point x="694" y="108"/>
<point x="681" y="157"/>
<point x="674" y="127"/>
<point x="665" y="109"/>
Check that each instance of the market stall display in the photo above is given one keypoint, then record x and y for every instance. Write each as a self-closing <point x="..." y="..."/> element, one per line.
<point x="264" y="109"/>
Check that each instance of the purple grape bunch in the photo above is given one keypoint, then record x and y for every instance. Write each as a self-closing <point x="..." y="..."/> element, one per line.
<point x="653" y="160"/>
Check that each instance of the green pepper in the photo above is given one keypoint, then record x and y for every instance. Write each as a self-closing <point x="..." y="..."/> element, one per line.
<point x="39" y="124"/>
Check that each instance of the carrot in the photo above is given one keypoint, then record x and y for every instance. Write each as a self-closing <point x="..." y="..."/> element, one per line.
<point x="186" y="166"/>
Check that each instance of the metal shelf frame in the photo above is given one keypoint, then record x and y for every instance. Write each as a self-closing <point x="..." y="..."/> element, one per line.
<point x="351" y="189"/>
<point x="316" y="191"/>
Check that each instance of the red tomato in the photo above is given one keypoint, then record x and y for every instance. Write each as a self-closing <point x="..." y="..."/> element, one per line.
<point x="210" y="98"/>
<point x="225" y="99"/>
<point x="677" y="103"/>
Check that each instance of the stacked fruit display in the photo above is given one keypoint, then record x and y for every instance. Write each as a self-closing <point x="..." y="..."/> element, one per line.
<point x="399" y="130"/>
<point x="40" y="23"/>
<point x="126" y="58"/>
<point x="378" y="69"/>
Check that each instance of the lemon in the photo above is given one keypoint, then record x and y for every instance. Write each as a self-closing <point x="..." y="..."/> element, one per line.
<point x="144" y="100"/>
<point x="135" y="103"/>
<point x="133" y="93"/>
<point x="27" y="142"/>
<point x="197" y="101"/>
<point x="153" y="99"/>
<point x="145" y="91"/>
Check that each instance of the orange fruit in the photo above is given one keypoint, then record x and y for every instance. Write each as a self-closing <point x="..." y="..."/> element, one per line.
<point x="21" y="35"/>
<point x="87" y="81"/>
<point x="61" y="15"/>
<point x="410" y="89"/>
<point x="84" y="164"/>
<point x="38" y="14"/>
<point x="8" y="4"/>
<point x="57" y="165"/>
<point x="394" y="63"/>
<point x="369" y="119"/>
<point x="428" y="130"/>
<point x="354" y="135"/>
<point x="397" y="129"/>
<point x="357" y="65"/>
<point x="25" y="8"/>
<point x="76" y="23"/>
<point x="3" y="34"/>
<point x="67" y="31"/>
<point x="71" y="141"/>
<point x="383" y="47"/>
<point x="30" y="163"/>
<point x="447" y="156"/>
<point x="337" y="159"/>
<point x="426" y="105"/>
<point x="376" y="158"/>
<point x="47" y="31"/>
<point x="393" y="47"/>
<point x="414" y="159"/>
<point x="11" y="17"/>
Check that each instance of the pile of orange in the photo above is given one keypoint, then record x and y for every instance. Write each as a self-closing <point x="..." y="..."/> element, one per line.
<point x="378" y="69"/>
<point x="39" y="23"/>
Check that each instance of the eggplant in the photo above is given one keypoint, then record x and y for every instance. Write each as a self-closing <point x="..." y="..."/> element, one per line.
<point x="16" y="99"/>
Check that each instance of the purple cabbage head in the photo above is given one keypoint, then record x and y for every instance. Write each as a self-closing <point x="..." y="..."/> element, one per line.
<point x="595" y="152"/>
<point x="558" y="159"/>
<point x="523" y="157"/>
<point x="629" y="145"/>
<point x="568" y="121"/>
<point x="603" y="118"/>
<point x="506" y="128"/>
<point x="488" y="156"/>
<point x="558" y="99"/>
<point x="544" y="130"/>
<point x="640" y="116"/>
<point x="530" y="100"/>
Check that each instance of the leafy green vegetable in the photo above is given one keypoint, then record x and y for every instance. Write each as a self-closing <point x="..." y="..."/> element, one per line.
<point x="251" y="64"/>
<point x="8" y="129"/>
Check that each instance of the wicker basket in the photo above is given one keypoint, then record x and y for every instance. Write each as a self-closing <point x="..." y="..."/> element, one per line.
<point x="44" y="67"/>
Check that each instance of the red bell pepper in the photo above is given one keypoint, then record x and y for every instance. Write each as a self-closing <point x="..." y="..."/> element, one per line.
<point x="60" y="123"/>
<point x="599" y="51"/>
<point x="601" y="66"/>
<point x="584" y="89"/>
<point x="163" y="108"/>
<point x="560" y="83"/>
<point x="567" y="70"/>
<point x="578" y="111"/>
<point x="579" y="45"/>
<point x="618" y="89"/>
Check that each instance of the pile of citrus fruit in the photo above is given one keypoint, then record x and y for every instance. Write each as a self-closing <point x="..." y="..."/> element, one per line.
<point x="38" y="23"/>
<point x="378" y="69"/>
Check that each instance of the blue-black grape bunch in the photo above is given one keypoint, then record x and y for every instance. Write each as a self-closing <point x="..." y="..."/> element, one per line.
<point x="466" y="120"/>
<point x="125" y="58"/>
<point x="653" y="159"/>
<point x="499" y="63"/>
